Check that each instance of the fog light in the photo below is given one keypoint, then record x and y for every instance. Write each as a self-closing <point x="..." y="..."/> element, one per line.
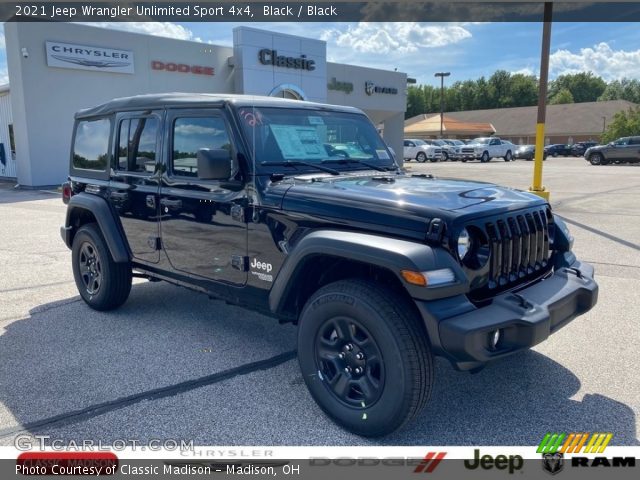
<point x="494" y="338"/>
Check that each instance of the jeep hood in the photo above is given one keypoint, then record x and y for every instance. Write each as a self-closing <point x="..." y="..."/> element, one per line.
<point x="401" y="200"/>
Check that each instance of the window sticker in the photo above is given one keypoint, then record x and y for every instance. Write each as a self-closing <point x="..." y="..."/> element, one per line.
<point x="315" y="120"/>
<point x="298" y="142"/>
<point x="382" y="154"/>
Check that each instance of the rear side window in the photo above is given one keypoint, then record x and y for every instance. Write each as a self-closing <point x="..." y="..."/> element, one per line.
<point x="91" y="145"/>
<point x="137" y="144"/>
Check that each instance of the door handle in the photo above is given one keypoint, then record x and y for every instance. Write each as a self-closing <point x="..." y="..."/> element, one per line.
<point x="150" y="201"/>
<point x="165" y="202"/>
<point x="119" y="195"/>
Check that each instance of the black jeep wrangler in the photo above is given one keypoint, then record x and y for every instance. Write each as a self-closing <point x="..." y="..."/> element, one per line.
<point x="299" y="211"/>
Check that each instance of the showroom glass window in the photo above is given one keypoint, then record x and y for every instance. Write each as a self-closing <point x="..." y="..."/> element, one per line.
<point x="190" y="134"/>
<point x="137" y="144"/>
<point x="91" y="145"/>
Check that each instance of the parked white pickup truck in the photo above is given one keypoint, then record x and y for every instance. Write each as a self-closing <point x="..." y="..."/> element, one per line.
<point x="421" y="151"/>
<point x="486" y="148"/>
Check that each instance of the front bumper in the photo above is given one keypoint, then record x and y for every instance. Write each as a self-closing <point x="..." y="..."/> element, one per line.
<point x="525" y="317"/>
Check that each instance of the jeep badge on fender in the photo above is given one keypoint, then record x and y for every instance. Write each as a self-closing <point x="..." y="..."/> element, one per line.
<point x="300" y="210"/>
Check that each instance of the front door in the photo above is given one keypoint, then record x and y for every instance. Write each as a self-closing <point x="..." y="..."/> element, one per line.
<point x="203" y="228"/>
<point x="134" y="187"/>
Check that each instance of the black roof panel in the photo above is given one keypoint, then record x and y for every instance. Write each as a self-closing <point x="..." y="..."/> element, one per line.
<point x="194" y="100"/>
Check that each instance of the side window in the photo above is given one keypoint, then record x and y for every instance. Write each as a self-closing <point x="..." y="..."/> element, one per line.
<point x="190" y="134"/>
<point x="137" y="144"/>
<point x="406" y="144"/>
<point x="91" y="145"/>
<point x="634" y="141"/>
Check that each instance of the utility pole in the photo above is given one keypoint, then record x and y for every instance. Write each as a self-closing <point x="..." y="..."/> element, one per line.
<point x="537" y="186"/>
<point x="442" y="75"/>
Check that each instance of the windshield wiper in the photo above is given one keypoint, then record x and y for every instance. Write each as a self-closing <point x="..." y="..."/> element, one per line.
<point x="351" y="160"/>
<point x="298" y="163"/>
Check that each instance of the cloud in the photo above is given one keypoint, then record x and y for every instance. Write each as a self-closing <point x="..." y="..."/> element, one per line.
<point x="397" y="37"/>
<point x="159" y="29"/>
<point x="600" y="59"/>
<point x="524" y="71"/>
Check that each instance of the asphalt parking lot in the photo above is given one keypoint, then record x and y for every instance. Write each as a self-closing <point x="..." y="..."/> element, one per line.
<point x="173" y="364"/>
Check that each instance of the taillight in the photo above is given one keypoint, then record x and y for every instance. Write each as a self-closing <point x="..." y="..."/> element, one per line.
<point x="67" y="192"/>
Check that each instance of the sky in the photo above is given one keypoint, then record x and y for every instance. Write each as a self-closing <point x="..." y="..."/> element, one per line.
<point x="467" y="50"/>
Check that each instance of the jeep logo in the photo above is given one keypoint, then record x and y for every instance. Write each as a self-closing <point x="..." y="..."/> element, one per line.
<point x="500" y="462"/>
<point x="267" y="267"/>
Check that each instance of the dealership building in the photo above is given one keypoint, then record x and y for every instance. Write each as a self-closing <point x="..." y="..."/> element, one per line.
<point x="56" y="69"/>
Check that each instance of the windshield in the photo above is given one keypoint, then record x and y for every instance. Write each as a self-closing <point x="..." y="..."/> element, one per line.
<point x="281" y="135"/>
<point x="482" y="141"/>
<point x="420" y="142"/>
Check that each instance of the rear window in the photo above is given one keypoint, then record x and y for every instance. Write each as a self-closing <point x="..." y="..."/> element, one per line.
<point x="91" y="146"/>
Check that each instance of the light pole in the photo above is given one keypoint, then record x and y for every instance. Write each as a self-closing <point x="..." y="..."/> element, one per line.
<point x="442" y="75"/>
<point x="537" y="186"/>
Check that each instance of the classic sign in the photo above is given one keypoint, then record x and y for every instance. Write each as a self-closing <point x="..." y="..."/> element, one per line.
<point x="271" y="57"/>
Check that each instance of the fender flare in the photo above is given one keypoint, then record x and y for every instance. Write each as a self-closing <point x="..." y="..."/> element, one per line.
<point x="388" y="253"/>
<point x="106" y="220"/>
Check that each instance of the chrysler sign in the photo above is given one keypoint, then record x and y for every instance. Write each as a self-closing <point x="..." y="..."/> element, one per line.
<point x="81" y="57"/>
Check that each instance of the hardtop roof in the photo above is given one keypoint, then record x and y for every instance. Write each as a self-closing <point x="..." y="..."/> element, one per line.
<point x="195" y="100"/>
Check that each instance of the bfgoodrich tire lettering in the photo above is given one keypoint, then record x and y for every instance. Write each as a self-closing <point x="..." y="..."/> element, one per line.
<point x="103" y="284"/>
<point x="380" y="324"/>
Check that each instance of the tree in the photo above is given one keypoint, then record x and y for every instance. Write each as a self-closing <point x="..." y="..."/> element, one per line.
<point x="624" y="124"/>
<point x="415" y="102"/>
<point x="625" y="89"/>
<point x="561" y="96"/>
<point x="584" y="87"/>
<point x="524" y="90"/>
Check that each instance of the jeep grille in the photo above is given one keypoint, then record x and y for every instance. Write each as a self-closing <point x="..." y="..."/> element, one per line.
<point x="519" y="247"/>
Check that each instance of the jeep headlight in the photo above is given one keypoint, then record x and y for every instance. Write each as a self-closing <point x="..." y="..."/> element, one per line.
<point x="464" y="243"/>
<point x="562" y="238"/>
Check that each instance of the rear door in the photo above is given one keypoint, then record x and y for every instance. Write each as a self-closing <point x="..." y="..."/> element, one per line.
<point x="409" y="149"/>
<point x="133" y="190"/>
<point x="203" y="229"/>
<point x="634" y="150"/>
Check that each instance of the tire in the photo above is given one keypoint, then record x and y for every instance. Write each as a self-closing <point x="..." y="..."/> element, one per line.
<point x="421" y="157"/>
<point x="463" y="160"/>
<point x="554" y="154"/>
<point x="596" y="159"/>
<point x="337" y="320"/>
<point x="508" y="157"/>
<point x="102" y="283"/>
<point x="485" y="157"/>
<point x="445" y="157"/>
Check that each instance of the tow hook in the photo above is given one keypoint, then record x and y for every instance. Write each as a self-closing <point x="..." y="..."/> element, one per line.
<point x="523" y="302"/>
<point x="575" y="271"/>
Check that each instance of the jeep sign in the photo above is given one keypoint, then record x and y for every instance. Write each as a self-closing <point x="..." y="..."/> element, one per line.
<point x="81" y="57"/>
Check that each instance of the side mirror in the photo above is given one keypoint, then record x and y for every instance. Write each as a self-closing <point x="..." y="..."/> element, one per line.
<point x="214" y="164"/>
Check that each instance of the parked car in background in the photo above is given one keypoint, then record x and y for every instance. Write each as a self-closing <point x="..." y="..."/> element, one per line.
<point x="447" y="150"/>
<point x="527" y="152"/>
<point x="421" y="151"/>
<point x="486" y="148"/>
<point x="623" y="150"/>
<point x="558" y="149"/>
<point x="578" y="149"/>
<point x="456" y="149"/>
